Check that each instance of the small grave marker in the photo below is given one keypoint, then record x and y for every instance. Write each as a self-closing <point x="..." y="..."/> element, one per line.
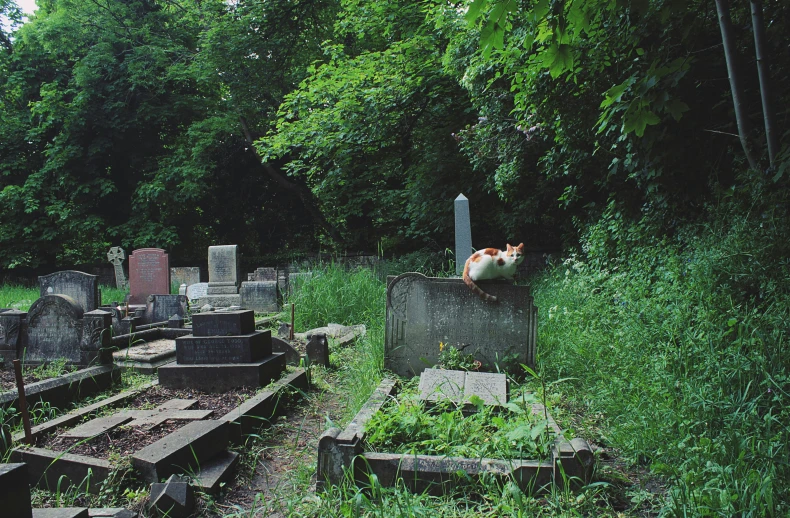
<point x="116" y="256"/>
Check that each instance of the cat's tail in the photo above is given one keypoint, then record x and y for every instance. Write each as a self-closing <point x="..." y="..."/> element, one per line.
<point x="474" y="287"/>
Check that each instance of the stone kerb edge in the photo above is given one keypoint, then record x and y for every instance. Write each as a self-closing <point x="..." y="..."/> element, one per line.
<point x="339" y="450"/>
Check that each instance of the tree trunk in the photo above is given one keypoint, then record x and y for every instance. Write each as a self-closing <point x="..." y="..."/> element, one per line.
<point x="741" y="119"/>
<point x="765" y="80"/>
<point x="307" y="198"/>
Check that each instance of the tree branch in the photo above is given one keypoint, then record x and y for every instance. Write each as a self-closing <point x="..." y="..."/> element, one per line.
<point x="306" y="196"/>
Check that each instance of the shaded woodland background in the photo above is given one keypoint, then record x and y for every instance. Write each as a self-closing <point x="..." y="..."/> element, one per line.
<point x="291" y="126"/>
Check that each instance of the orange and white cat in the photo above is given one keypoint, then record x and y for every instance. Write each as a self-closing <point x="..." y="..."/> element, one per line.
<point x="492" y="263"/>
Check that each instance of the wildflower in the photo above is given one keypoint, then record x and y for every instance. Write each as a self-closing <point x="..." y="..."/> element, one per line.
<point x="441" y="346"/>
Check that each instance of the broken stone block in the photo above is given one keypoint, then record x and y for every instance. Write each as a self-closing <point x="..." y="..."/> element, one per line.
<point x="318" y="350"/>
<point x="174" y="499"/>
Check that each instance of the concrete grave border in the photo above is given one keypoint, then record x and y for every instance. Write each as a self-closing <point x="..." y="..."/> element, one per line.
<point x="341" y="452"/>
<point x="170" y="454"/>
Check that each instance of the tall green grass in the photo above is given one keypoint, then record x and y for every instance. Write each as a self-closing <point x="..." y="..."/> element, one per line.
<point x="21" y="298"/>
<point x="681" y="343"/>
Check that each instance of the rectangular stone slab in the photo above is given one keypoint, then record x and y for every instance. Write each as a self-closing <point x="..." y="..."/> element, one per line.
<point x="219" y="469"/>
<point x="225" y="323"/>
<point x="61" y="512"/>
<point x="52" y="469"/>
<point x="192" y="350"/>
<point x="424" y="312"/>
<point x="489" y="386"/>
<point x="151" y="420"/>
<point x="95" y="427"/>
<point x="440" y="384"/>
<point x="183" y="450"/>
<point x="220" y="378"/>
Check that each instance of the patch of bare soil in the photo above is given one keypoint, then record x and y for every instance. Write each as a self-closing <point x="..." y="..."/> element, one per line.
<point x="126" y="440"/>
<point x="29" y="375"/>
<point x="283" y="461"/>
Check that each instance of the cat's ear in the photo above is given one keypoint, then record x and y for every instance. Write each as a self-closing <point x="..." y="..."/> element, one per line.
<point x="509" y="248"/>
<point x="520" y="247"/>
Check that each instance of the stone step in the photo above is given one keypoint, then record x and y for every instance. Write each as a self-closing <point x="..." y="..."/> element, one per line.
<point x="183" y="451"/>
<point x="216" y="471"/>
<point x="61" y="512"/>
<point x="53" y="470"/>
<point x="224" y="377"/>
<point x="246" y="348"/>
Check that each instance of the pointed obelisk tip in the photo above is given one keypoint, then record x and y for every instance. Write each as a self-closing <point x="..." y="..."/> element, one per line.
<point x="461" y="197"/>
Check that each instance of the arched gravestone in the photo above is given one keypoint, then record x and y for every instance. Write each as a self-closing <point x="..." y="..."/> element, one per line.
<point x="80" y="286"/>
<point x="54" y="329"/>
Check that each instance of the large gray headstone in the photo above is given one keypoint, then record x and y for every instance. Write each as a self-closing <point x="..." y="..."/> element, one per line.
<point x="188" y="275"/>
<point x="463" y="233"/>
<point x="259" y="296"/>
<point x="82" y="287"/>
<point x="223" y="265"/>
<point x="423" y="312"/>
<point x="54" y="329"/>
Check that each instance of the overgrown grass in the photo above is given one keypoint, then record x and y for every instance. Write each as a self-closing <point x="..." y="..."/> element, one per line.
<point x="21" y="297"/>
<point x="680" y="344"/>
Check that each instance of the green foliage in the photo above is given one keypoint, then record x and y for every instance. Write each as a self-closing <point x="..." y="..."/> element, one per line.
<point x="17" y="297"/>
<point x="678" y="341"/>
<point x="404" y="425"/>
<point x="452" y="358"/>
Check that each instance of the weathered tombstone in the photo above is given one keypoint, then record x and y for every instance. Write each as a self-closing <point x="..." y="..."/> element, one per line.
<point x="423" y="312"/>
<point x="159" y="308"/>
<point x="223" y="269"/>
<point x="54" y="329"/>
<point x="82" y="287"/>
<point x="264" y="273"/>
<point x="463" y="233"/>
<point x="116" y="255"/>
<point x="197" y="291"/>
<point x="282" y="280"/>
<point x="12" y="333"/>
<point x="260" y="296"/>
<point x="149" y="274"/>
<point x="188" y="275"/>
<point x="95" y="342"/>
<point x="317" y="350"/>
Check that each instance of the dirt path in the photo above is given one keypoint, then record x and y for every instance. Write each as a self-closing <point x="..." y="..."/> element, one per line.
<point x="282" y="462"/>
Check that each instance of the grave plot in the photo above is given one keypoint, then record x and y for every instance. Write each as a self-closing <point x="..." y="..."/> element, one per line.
<point x="164" y="432"/>
<point x="457" y="428"/>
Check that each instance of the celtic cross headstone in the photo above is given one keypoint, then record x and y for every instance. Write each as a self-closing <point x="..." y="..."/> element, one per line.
<point x="116" y="255"/>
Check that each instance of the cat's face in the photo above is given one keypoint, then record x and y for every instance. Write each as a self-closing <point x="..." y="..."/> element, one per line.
<point x="515" y="253"/>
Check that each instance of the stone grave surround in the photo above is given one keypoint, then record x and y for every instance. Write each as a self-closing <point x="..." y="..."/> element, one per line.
<point x="82" y="287"/>
<point x="57" y="328"/>
<point x="149" y="274"/>
<point x="423" y="312"/>
<point x="159" y="308"/>
<point x="223" y="277"/>
<point x="342" y="451"/>
<point x="223" y="352"/>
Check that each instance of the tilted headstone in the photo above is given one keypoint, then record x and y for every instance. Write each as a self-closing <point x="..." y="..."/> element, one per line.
<point x="54" y="329"/>
<point x="423" y="312"/>
<point x="223" y="270"/>
<point x="149" y="274"/>
<point x="188" y="275"/>
<point x="82" y="287"/>
<point x="463" y="233"/>
<point x="116" y="256"/>
<point x="159" y="308"/>
<point x="260" y="296"/>
<point x="197" y="291"/>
